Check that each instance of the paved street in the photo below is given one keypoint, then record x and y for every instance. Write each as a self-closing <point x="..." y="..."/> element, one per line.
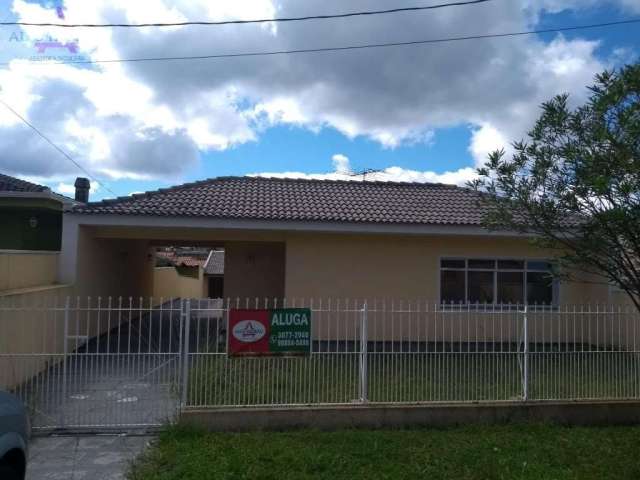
<point x="95" y="457"/>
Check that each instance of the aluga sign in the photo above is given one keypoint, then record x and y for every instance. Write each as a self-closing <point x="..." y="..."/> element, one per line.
<point x="278" y="331"/>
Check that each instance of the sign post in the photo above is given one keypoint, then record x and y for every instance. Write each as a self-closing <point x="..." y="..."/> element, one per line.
<point x="279" y="331"/>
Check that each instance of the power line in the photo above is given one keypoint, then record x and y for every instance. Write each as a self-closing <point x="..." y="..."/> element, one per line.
<point x="238" y="22"/>
<point x="65" y="154"/>
<point x="341" y="48"/>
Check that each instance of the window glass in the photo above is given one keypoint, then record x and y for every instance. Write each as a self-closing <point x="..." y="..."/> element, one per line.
<point x="452" y="263"/>
<point x="538" y="265"/>
<point x="511" y="287"/>
<point x="481" y="263"/>
<point x="452" y="286"/>
<point x="510" y="265"/>
<point x="480" y="287"/>
<point x="539" y="288"/>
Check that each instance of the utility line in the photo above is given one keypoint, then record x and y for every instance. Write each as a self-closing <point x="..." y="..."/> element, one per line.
<point x="65" y="154"/>
<point x="238" y="22"/>
<point x="341" y="48"/>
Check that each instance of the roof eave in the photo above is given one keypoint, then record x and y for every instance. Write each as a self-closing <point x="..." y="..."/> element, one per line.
<point x="44" y="195"/>
<point x="151" y="221"/>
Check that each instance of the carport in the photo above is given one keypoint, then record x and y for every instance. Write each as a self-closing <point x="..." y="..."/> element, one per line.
<point x="114" y="255"/>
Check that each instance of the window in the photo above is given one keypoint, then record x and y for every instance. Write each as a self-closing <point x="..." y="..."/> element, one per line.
<point x="498" y="282"/>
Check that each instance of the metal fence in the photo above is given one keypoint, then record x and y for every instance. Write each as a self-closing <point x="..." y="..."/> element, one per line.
<point x="124" y="363"/>
<point x="410" y="352"/>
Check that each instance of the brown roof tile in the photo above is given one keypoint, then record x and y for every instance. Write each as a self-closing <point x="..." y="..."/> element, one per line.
<point x="303" y="200"/>
<point x="12" y="184"/>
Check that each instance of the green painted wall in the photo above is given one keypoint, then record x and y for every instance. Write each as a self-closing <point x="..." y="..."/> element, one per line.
<point x="30" y="225"/>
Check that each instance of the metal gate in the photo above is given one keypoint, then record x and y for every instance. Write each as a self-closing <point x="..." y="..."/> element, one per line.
<point x="96" y="364"/>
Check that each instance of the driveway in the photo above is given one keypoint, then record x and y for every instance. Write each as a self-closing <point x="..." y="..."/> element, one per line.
<point x="127" y="377"/>
<point x="95" y="457"/>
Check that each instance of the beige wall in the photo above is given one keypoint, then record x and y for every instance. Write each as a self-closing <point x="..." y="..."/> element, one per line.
<point x="254" y="270"/>
<point x="113" y="267"/>
<point x="167" y="283"/>
<point x="28" y="325"/>
<point x="351" y="266"/>
<point x="23" y="270"/>
<point x="312" y="265"/>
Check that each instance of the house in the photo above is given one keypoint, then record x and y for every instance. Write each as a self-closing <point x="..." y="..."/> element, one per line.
<point x="214" y="274"/>
<point x="188" y="272"/>
<point x="31" y="233"/>
<point x="306" y="239"/>
<point x="31" y="215"/>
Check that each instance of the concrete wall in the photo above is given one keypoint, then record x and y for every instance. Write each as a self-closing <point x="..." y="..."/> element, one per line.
<point x="412" y="416"/>
<point x="27" y="269"/>
<point x="254" y="270"/>
<point x="167" y="283"/>
<point x="399" y="267"/>
<point x="28" y="325"/>
<point x="113" y="267"/>
<point x="403" y="274"/>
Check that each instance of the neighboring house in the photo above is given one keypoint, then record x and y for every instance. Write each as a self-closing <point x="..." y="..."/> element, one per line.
<point x="214" y="274"/>
<point x="30" y="215"/>
<point x="180" y="273"/>
<point x="30" y="234"/>
<point x="317" y="239"/>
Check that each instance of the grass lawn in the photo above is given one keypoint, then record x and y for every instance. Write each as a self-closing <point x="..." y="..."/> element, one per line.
<point x="480" y="452"/>
<point x="333" y="378"/>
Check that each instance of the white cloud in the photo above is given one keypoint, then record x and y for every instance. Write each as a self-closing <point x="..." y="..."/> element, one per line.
<point x="65" y="189"/>
<point x="341" y="163"/>
<point x="485" y="140"/>
<point x="390" y="174"/>
<point x="152" y="120"/>
<point x="556" y="6"/>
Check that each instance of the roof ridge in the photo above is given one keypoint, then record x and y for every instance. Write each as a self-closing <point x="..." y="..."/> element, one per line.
<point x="355" y="182"/>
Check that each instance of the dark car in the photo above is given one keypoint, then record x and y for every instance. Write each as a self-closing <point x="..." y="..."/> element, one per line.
<point x="14" y="437"/>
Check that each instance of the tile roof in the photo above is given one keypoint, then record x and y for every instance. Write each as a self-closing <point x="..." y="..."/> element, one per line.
<point x="12" y="184"/>
<point x="215" y="263"/>
<point x="259" y="198"/>
<point x="188" y="261"/>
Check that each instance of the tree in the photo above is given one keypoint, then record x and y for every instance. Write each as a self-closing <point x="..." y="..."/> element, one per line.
<point x="574" y="185"/>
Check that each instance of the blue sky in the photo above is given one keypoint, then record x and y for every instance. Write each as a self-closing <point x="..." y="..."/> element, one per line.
<point x="415" y="113"/>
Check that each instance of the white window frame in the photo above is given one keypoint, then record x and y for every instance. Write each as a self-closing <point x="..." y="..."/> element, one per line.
<point x="555" y="292"/>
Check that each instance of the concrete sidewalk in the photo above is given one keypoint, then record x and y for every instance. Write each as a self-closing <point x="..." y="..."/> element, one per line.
<point x="95" y="457"/>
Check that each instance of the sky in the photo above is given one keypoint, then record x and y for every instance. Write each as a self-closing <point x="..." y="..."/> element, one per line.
<point x="424" y="113"/>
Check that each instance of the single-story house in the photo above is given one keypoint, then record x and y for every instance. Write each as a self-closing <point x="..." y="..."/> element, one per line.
<point x="294" y="238"/>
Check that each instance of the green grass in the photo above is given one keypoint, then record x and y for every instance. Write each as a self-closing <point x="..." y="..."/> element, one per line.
<point x="333" y="378"/>
<point x="471" y="453"/>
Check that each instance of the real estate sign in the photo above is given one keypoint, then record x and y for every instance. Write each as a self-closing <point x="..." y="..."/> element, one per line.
<point x="278" y="331"/>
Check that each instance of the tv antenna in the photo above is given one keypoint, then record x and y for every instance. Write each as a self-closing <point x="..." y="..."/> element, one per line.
<point x="364" y="173"/>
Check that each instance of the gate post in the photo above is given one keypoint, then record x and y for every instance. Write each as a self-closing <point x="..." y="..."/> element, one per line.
<point x="65" y="350"/>
<point x="525" y="379"/>
<point x="364" y="374"/>
<point x="185" y="352"/>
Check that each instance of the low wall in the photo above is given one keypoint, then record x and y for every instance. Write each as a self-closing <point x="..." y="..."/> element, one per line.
<point x="407" y="416"/>
<point x="31" y="332"/>
<point x="27" y="269"/>
<point x="167" y="283"/>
